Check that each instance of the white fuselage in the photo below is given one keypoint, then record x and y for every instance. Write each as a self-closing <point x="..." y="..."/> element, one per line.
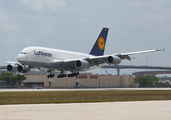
<point x="43" y="57"/>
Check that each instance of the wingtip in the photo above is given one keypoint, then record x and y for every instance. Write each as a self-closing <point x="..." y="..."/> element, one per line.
<point x="161" y="49"/>
<point x="164" y="49"/>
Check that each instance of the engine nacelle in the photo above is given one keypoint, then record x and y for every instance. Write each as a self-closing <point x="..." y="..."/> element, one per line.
<point x="12" y="67"/>
<point x="23" y="69"/>
<point x="81" y="64"/>
<point x="113" y="60"/>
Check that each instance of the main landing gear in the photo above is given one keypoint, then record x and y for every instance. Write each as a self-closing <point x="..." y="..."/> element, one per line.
<point x="73" y="74"/>
<point x="50" y="75"/>
<point x="69" y="75"/>
<point x="62" y="75"/>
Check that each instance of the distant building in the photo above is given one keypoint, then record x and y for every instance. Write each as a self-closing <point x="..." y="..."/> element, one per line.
<point x="86" y="81"/>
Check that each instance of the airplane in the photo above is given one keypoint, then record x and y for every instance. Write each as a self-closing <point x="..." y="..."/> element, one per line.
<point x="67" y="61"/>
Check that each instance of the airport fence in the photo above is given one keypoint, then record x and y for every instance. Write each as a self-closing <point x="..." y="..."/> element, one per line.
<point x="87" y="99"/>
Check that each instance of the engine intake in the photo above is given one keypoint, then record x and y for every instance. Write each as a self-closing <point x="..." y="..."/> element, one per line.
<point x="81" y="64"/>
<point x="23" y="69"/>
<point x="11" y="67"/>
<point x="113" y="60"/>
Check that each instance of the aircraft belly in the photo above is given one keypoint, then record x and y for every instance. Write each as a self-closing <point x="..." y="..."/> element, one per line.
<point x="71" y="67"/>
<point x="63" y="66"/>
<point x="36" y="64"/>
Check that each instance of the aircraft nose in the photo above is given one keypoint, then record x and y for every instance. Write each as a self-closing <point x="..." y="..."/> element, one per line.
<point x="19" y="57"/>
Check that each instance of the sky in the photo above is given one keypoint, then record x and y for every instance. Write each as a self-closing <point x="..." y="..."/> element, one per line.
<point x="134" y="25"/>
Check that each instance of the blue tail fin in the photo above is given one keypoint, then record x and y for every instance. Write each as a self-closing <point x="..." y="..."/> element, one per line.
<point x="99" y="46"/>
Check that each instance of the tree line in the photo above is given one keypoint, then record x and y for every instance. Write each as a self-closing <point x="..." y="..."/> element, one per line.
<point x="150" y="81"/>
<point x="9" y="79"/>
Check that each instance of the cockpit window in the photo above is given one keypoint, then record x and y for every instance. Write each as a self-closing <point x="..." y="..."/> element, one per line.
<point x="23" y="53"/>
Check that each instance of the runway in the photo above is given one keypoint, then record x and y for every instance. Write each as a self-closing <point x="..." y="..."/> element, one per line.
<point x="81" y="89"/>
<point x="140" y="110"/>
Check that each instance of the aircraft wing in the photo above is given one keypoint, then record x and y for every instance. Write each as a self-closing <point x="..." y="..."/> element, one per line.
<point x="10" y="62"/>
<point x="3" y="67"/>
<point x="126" y="55"/>
<point x="101" y="59"/>
<point x="98" y="60"/>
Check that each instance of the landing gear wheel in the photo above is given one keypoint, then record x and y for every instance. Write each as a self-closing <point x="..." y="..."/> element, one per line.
<point x="50" y="75"/>
<point x="73" y="74"/>
<point x="61" y="76"/>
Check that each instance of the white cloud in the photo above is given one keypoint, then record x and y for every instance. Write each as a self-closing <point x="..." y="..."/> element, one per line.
<point x="40" y="5"/>
<point x="5" y="23"/>
<point x="5" y="27"/>
<point x="137" y="2"/>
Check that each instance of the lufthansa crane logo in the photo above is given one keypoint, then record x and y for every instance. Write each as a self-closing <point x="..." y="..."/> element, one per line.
<point x="101" y="43"/>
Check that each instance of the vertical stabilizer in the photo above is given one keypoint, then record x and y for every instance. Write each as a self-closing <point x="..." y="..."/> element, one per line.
<point x="99" y="46"/>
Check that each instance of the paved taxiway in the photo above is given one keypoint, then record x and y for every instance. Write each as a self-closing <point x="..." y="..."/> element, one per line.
<point x="140" y="110"/>
<point x="82" y="89"/>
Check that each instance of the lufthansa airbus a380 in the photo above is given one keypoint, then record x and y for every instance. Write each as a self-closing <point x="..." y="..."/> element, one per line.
<point x="64" y="61"/>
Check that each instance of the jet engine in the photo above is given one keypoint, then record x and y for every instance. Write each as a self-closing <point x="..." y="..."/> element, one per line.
<point x="23" y="69"/>
<point x="81" y="64"/>
<point x="113" y="60"/>
<point x="12" y="67"/>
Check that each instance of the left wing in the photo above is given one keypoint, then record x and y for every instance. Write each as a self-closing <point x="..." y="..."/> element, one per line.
<point x="126" y="55"/>
<point x="115" y="58"/>
<point x="84" y="63"/>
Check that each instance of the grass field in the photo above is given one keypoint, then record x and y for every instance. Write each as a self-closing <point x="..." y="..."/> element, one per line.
<point x="81" y="96"/>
